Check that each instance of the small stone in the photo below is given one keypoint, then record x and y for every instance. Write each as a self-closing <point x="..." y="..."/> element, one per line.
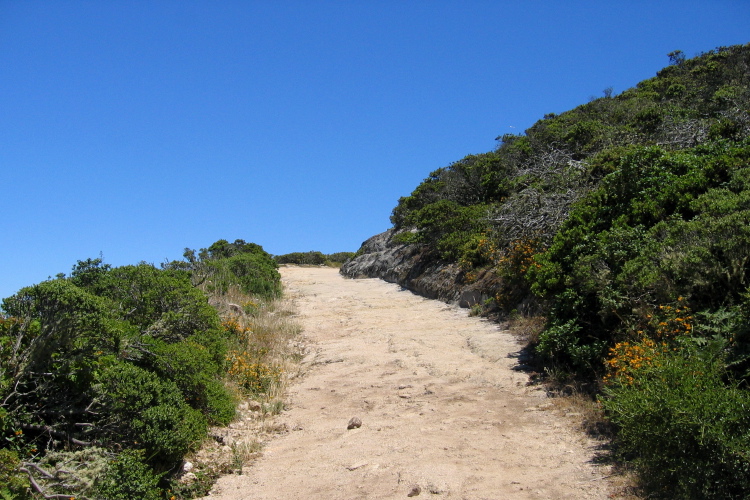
<point x="354" y="423"/>
<point x="437" y="489"/>
<point x="416" y="490"/>
<point x="187" y="467"/>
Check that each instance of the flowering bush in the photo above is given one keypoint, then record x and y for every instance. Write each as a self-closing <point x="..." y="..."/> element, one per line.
<point x="247" y="363"/>
<point x="252" y="375"/>
<point x="513" y="263"/>
<point x="627" y="359"/>
<point x="682" y="427"/>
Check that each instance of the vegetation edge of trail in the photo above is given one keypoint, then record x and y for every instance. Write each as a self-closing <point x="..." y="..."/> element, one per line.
<point x="109" y="377"/>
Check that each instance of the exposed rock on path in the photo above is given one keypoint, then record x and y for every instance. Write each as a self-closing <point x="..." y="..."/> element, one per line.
<point x="413" y="268"/>
<point x="442" y="411"/>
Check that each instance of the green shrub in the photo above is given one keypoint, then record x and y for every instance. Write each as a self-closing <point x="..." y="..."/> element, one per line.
<point x="221" y="405"/>
<point x="140" y="410"/>
<point x="12" y="481"/>
<point x="128" y="477"/>
<point x="662" y="225"/>
<point x="67" y="320"/>
<point x="446" y="227"/>
<point x="256" y="274"/>
<point x="60" y="335"/>
<point x="313" y="258"/>
<point x="161" y="303"/>
<point x="68" y="338"/>
<point x="226" y="265"/>
<point x="193" y="368"/>
<point x="564" y="343"/>
<point x="684" y="428"/>
<point x="339" y="257"/>
<point x="168" y="432"/>
<point x="87" y="273"/>
<point x="302" y="258"/>
<point x="214" y="343"/>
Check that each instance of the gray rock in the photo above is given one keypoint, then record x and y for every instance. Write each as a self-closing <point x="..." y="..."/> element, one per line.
<point x="412" y="267"/>
<point x="354" y="423"/>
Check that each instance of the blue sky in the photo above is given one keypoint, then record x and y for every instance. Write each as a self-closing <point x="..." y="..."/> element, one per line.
<point x="134" y="129"/>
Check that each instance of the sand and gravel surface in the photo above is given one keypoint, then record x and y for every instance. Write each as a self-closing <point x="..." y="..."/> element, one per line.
<point x="443" y="408"/>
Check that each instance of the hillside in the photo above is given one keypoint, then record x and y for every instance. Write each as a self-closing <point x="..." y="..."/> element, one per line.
<point x="625" y="222"/>
<point x="473" y="212"/>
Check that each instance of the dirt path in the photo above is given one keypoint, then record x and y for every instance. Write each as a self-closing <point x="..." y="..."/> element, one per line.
<point x="443" y="412"/>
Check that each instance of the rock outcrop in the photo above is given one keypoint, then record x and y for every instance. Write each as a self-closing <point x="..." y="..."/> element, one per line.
<point x="415" y="269"/>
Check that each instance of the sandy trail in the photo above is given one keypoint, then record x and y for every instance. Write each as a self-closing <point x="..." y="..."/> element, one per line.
<point x="443" y="412"/>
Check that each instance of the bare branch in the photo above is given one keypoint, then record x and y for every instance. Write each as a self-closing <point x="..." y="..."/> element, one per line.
<point x="36" y="485"/>
<point x="39" y="470"/>
<point x="55" y="433"/>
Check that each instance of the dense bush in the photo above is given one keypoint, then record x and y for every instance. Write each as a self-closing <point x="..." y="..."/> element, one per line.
<point x="256" y="274"/>
<point x="125" y="362"/>
<point x="339" y="257"/>
<point x="196" y="371"/>
<point x="55" y="336"/>
<point x="661" y="226"/>
<point x="684" y="428"/>
<point x="161" y="303"/>
<point x="314" y="258"/>
<point x="302" y="258"/>
<point x="128" y="477"/>
<point x="224" y="265"/>
<point x="449" y="229"/>
<point x="139" y="409"/>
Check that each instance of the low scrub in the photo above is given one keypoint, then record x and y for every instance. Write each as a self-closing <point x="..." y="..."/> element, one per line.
<point x="314" y="258"/>
<point x="224" y="266"/>
<point x="119" y="371"/>
<point x="682" y="420"/>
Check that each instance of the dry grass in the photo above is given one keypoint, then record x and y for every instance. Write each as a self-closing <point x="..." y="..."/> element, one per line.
<point x="244" y="453"/>
<point x="271" y="336"/>
<point x="527" y="328"/>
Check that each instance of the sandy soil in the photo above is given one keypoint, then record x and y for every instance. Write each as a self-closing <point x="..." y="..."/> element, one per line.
<point x="443" y="412"/>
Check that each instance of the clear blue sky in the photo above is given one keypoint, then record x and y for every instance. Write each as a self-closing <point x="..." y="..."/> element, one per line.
<point x="135" y="129"/>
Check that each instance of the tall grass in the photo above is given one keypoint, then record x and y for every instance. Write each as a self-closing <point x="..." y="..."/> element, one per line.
<point x="267" y="340"/>
<point x="263" y="358"/>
